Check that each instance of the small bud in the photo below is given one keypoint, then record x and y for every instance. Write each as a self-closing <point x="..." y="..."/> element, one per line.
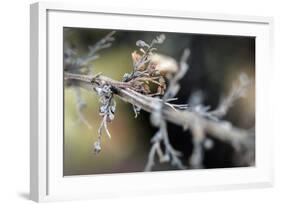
<point x="161" y="38"/>
<point x="110" y="117"/>
<point x="126" y="77"/>
<point x="112" y="109"/>
<point x="98" y="90"/>
<point x="208" y="144"/>
<point x="97" y="147"/>
<point x="141" y="43"/>
<point x="103" y="109"/>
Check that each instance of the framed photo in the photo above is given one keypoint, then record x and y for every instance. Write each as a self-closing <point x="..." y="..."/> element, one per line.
<point x="127" y="102"/>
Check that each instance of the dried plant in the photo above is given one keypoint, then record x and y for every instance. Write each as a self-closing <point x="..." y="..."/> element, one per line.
<point x="151" y="70"/>
<point x="107" y="110"/>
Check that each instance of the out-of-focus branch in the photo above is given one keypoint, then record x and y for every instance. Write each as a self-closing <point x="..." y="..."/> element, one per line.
<point x="238" y="91"/>
<point x="157" y="119"/>
<point x="80" y="105"/>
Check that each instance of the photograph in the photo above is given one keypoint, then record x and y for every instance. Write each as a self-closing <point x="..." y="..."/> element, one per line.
<point x="153" y="101"/>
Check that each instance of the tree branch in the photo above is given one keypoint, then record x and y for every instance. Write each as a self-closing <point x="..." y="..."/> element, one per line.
<point x="221" y="130"/>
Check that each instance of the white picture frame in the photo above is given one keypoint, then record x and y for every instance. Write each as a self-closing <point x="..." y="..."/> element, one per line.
<point x="46" y="179"/>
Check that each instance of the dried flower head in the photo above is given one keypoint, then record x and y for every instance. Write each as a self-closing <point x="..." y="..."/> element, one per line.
<point x="149" y="68"/>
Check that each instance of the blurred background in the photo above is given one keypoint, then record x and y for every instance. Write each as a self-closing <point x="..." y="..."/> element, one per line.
<point x="215" y="63"/>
